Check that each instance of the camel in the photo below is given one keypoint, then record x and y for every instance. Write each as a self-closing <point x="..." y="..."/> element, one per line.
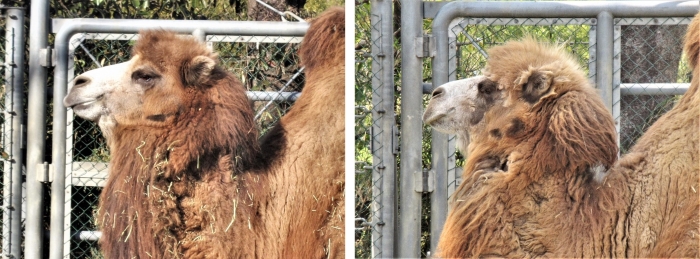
<point x="189" y="177"/>
<point x="542" y="177"/>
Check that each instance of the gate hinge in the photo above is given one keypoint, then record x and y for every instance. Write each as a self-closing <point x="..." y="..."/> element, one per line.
<point x="47" y="57"/>
<point x="425" y="46"/>
<point x="45" y="173"/>
<point x="424" y="181"/>
<point x="395" y="139"/>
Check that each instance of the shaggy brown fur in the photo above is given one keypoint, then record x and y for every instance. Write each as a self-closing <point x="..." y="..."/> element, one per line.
<point x="536" y="181"/>
<point x="315" y="139"/>
<point x="189" y="179"/>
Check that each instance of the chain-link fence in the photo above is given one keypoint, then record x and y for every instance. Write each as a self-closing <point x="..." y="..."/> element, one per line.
<point x="363" y="132"/>
<point x="260" y="63"/>
<point x="648" y="77"/>
<point x="12" y="105"/>
<point x="376" y="137"/>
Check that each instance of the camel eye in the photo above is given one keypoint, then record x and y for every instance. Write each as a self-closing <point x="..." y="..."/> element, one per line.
<point x="487" y="87"/>
<point x="145" y="78"/>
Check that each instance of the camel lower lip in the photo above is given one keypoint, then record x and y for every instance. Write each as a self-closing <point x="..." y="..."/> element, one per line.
<point x="83" y="105"/>
<point x="433" y="119"/>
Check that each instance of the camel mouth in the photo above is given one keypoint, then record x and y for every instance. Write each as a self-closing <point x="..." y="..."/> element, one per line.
<point x="83" y="105"/>
<point x="434" y="118"/>
<point x="76" y="103"/>
<point x="86" y="109"/>
<point x="431" y="119"/>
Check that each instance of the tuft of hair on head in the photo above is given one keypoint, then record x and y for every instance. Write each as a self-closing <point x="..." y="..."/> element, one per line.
<point x="163" y="48"/>
<point x="324" y="42"/>
<point x="524" y="55"/>
<point x="692" y="42"/>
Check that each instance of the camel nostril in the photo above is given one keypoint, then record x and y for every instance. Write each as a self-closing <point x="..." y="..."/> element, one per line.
<point x="81" y="81"/>
<point x="438" y="91"/>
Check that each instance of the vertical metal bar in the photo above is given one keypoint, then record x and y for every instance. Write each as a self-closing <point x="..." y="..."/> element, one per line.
<point x="36" y="128"/>
<point x="616" y="95"/>
<point x="14" y="71"/>
<point x="74" y="42"/>
<point x="440" y="146"/>
<point x="384" y="160"/>
<point x="7" y="145"/>
<point x="409" y="231"/>
<point x="16" y="21"/>
<point x="604" y="61"/>
<point x="58" y="151"/>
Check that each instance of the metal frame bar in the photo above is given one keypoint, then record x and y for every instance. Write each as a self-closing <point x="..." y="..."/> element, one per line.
<point x="71" y="27"/>
<point x="12" y="133"/>
<point x="36" y="129"/>
<point x="383" y="208"/>
<point x="443" y="160"/>
<point x="409" y="227"/>
<point x="600" y="9"/>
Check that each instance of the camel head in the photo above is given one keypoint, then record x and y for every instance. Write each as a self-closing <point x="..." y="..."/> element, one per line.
<point x="528" y="93"/>
<point x="152" y="89"/>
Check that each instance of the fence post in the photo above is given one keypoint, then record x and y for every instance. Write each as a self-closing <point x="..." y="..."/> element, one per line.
<point x="443" y="164"/>
<point x="36" y="128"/>
<point x="411" y="129"/>
<point x="12" y="131"/>
<point x="604" y="57"/>
<point x="383" y="154"/>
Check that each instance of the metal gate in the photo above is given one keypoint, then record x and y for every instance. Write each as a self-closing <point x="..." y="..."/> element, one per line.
<point x="598" y="33"/>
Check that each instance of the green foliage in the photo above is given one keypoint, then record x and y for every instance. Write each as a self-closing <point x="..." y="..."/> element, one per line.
<point x="153" y="9"/>
<point x="363" y="124"/>
<point x="318" y="6"/>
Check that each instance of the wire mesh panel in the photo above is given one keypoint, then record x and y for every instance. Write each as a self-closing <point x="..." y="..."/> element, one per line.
<point x="12" y="112"/>
<point x="375" y="131"/>
<point x="267" y="66"/>
<point x="4" y="137"/>
<point x="364" y="195"/>
<point x="363" y="133"/>
<point x="650" y="73"/>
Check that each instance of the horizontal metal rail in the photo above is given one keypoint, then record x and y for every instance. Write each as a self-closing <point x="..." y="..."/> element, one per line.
<point x="87" y="235"/>
<point x="273" y="96"/>
<point x="654" y="89"/>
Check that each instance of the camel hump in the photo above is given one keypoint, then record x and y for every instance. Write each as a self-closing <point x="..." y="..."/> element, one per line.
<point x="692" y="42"/>
<point x="324" y="42"/>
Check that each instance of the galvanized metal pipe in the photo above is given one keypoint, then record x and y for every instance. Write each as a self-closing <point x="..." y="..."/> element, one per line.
<point x="604" y="57"/>
<point x="654" y="89"/>
<point x="572" y="9"/>
<point x="409" y="231"/>
<point x="273" y="96"/>
<point x="14" y="89"/>
<point x="70" y="27"/>
<point x="441" y="166"/>
<point x="36" y="129"/>
<point x="383" y="158"/>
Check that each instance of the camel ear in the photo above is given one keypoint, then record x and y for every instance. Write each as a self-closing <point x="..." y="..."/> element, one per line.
<point x="197" y="71"/>
<point x="582" y="131"/>
<point x="535" y="84"/>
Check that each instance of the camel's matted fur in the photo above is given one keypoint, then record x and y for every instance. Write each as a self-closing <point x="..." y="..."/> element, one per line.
<point x="188" y="177"/>
<point x="541" y="177"/>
